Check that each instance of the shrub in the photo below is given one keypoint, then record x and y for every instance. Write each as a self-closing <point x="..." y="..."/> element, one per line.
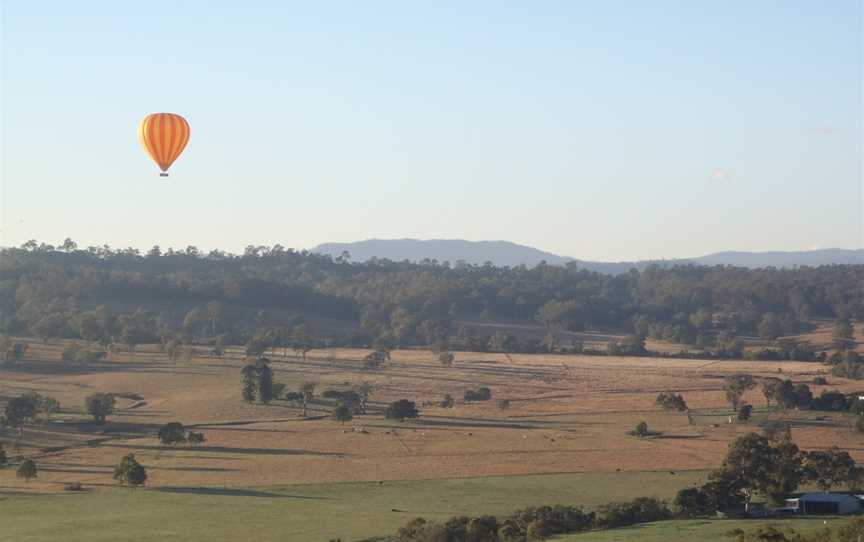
<point x="849" y="369"/>
<point x="509" y="532"/>
<point x="20" y="409"/>
<point x="412" y="529"/>
<point x="342" y="413"/>
<point x="671" y="401"/>
<point x="548" y="520"/>
<point x="831" y="400"/>
<point x="693" y="502"/>
<point x="447" y="402"/>
<point x="446" y="358"/>
<point x="482" y="529"/>
<point x="401" y="409"/>
<point x="504" y="404"/>
<point x="775" y="430"/>
<point x="70" y="352"/>
<point x="295" y="396"/>
<point x="83" y="356"/>
<point x="73" y="486"/>
<point x="130" y="472"/>
<point x="172" y="433"/>
<point x="27" y="470"/>
<point x="640" y="510"/>
<point x="100" y="405"/>
<point x="349" y="397"/>
<point x="641" y="430"/>
<point x="744" y="413"/>
<point x="480" y="394"/>
<point x="538" y="529"/>
<point x="195" y="439"/>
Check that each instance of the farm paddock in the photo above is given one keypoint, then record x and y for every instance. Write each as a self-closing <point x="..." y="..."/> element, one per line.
<point x="567" y="416"/>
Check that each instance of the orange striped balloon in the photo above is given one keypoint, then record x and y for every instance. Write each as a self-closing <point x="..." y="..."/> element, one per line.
<point x="164" y="136"/>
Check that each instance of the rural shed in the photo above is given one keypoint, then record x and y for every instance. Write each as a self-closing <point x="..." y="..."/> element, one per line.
<point x="828" y="503"/>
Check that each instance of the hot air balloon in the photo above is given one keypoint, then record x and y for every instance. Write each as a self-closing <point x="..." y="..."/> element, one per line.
<point x="164" y="136"/>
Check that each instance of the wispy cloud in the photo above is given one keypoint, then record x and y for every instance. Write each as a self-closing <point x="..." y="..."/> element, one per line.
<point x="720" y="175"/>
<point x="823" y="130"/>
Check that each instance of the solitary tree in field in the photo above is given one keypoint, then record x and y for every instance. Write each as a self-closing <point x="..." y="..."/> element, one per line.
<point x="257" y="345"/>
<point x="804" y="396"/>
<point x="364" y="390"/>
<point x="249" y="382"/>
<point x="12" y="350"/>
<point x="218" y="349"/>
<point x="785" y="394"/>
<point x="264" y="380"/>
<point x="736" y="386"/>
<point x="446" y="358"/>
<point x="744" y="413"/>
<point x="27" y="470"/>
<point x="770" y="388"/>
<point x="641" y="430"/>
<point x="342" y="413"/>
<point x="383" y="345"/>
<point x="173" y="349"/>
<point x="20" y="410"/>
<point x="100" y="406"/>
<point x="671" y="401"/>
<point x="130" y="472"/>
<point x="48" y="405"/>
<point x="308" y="391"/>
<point x="401" y="409"/>
<point x="172" y="433"/>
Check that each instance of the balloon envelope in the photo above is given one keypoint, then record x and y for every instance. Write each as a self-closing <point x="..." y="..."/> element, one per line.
<point x="164" y="136"/>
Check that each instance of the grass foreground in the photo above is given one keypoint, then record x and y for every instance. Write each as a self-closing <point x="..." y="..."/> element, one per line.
<point x="687" y="530"/>
<point x="313" y="512"/>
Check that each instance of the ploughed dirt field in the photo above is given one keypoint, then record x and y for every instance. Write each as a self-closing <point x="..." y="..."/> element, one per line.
<point x="565" y="414"/>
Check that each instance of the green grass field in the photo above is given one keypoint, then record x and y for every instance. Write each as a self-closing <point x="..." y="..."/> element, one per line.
<point x="316" y="512"/>
<point x="696" y="529"/>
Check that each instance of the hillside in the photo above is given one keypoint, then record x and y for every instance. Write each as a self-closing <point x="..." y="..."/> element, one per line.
<point x="506" y="253"/>
<point x="827" y="256"/>
<point x="500" y="253"/>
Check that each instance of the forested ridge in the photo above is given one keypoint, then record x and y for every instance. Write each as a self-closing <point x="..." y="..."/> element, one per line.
<point x="45" y="290"/>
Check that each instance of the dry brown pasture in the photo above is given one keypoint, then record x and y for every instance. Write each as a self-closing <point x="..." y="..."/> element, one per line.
<point x="566" y="414"/>
<point x="820" y="338"/>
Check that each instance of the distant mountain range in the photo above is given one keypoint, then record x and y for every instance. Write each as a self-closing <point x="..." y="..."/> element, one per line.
<point x="505" y="253"/>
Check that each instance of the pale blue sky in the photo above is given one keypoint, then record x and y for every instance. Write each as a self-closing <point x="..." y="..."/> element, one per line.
<point x="605" y="130"/>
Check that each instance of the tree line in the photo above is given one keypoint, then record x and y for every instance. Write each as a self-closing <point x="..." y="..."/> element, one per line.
<point x="122" y="296"/>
